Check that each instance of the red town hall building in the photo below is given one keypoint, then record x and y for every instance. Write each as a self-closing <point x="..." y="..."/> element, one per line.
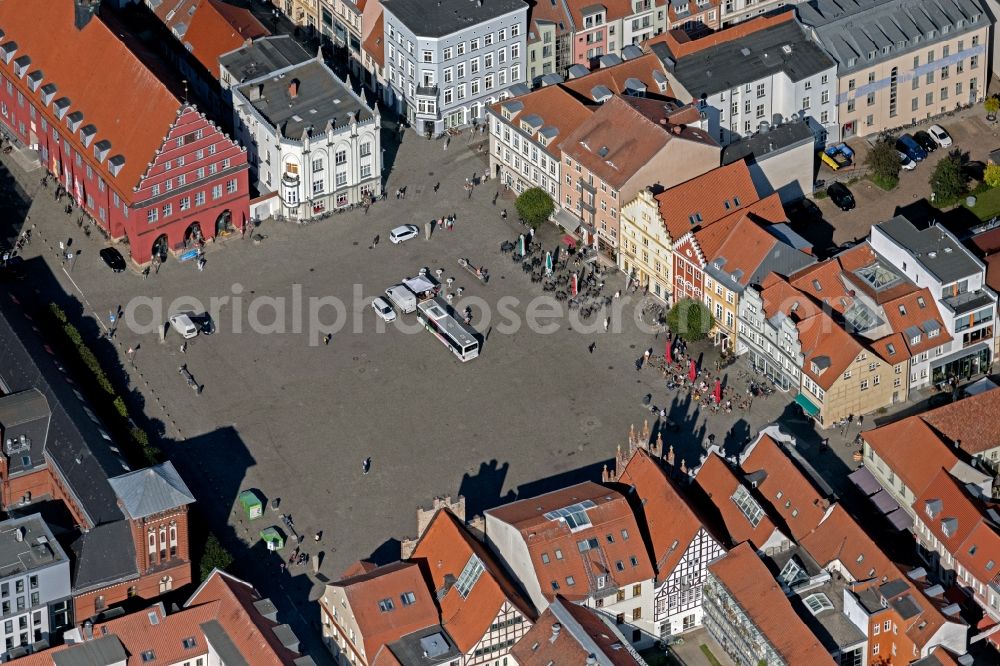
<point x="115" y="130"/>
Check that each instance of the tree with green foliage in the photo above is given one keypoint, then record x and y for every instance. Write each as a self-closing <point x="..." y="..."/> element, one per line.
<point x="948" y="180"/>
<point x="883" y="162"/>
<point x="690" y="319"/>
<point x="992" y="105"/>
<point x="215" y="556"/>
<point x="992" y="175"/>
<point x="534" y="206"/>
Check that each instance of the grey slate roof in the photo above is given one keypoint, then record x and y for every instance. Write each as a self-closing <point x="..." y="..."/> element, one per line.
<point x="853" y="29"/>
<point x="321" y="98"/>
<point x="75" y="445"/>
<point x="223" y="644"/>
<point x="763" y="145"/>
<point x="935" y="249"/>
<point x="102" y="651"/>
<point x="153" y="490"/>
<point x="752" y="57"/>
<point x="105" y="554"/>
<point x="24" y="414"/>
<point x="437" y="18"/>
<point x="263" y="56"/>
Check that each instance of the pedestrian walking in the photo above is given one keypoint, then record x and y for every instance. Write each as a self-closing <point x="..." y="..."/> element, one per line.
<point x="375" y="242"/>
<point x="607" y="323"/>
<point x="184" y="347"/>
<point x="366" y="465"/>
<point x="591" y="347"/>
<point x="145" y="272"/>
<point x="327" y="338"/>
<point x="861" y="419"/>
<point x="503" y="214"/>
<point x="495" y="197"/>
<point x="437" y="186"/>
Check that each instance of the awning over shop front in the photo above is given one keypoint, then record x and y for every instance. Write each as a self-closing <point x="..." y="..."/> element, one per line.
<point x="864" y="481"/>
<point x="900" y="520"/>
<point x="566" y="220"/>
<point x="883" y="502"/>
<point x="807" y="407"/>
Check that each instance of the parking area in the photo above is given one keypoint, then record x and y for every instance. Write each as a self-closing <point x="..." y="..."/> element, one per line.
<point x="971" y="133"/>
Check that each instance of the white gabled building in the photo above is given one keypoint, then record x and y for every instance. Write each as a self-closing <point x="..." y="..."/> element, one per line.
<point x="310" y="139"/>
<point x="681" y="546"/>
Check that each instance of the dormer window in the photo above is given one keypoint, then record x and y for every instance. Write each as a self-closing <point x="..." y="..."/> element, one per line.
<point x="48" y="92"/>
<point x="21" y="65"/>
<point x="73" y="120"/>
<point x="35" y="80"/>
<point x="902" y="309"/>
<point x="87" y="134"/>
<point x="101" y="149"/>
<point x="61" y="106"/>
<point x="7" y="51"/>
<point x="115" y="164"/>
<point x="915" y="340"/>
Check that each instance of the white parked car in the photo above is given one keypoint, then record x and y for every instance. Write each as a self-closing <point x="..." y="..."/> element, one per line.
<point x="182" y="324"/>
<point x="939" y="135"/>
<point x="906" y="162"/>
<point x="383" y="309"/>
<point x="403" y="233"/>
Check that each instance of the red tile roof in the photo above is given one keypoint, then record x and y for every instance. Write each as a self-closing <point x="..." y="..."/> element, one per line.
<point x="788" y="490"/>
<point x="947" y="500"/>
<point x="249" y="630"/>
<point x="216" y="28"/>
<point x="706" y="196"/>
<point x="912" y="450"/>
<point x="617" y="550"/>
<point x="964" y="422"/>
<point x="824" y="342"/>
<point x="127" y="102"/>
<point x="718" y="482"/>
<point x="614" y="77"/>
<point x="670" y="521"/>
<point x="615" y="9"/>
<point x="374" y="44"/>
<point x="839" y="538"/>
<point x="681" y="45"/>
<point x="914" y="310"/>
<point x="377" y="627"/>
<point x="443" y="551"/>
<point x="752" y="586"/>
<point x="556" y="106"/>
<point x="616" y="141"/>
<point x="580" y="628"/>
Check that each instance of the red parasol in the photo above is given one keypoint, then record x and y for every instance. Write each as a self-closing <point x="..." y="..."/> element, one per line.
<point x="692" y="371"/>
<point x="717" y="393"/>
<point x="667" y="352"/>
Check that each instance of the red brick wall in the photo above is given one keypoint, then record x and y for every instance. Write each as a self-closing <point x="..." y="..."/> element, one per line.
<point x="40" y="482"/>
<point x="140" y="536"/>
<point x="146" y="587"/>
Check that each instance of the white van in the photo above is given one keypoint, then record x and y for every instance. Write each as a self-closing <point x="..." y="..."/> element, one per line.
<point x="182" y="324"/>
<point x="402" y="298"/>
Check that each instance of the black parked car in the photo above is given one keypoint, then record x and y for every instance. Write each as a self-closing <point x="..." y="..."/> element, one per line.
<point x="114" y="259"/>
<point x="925" y="141"/>
<point x="841" y="196"/>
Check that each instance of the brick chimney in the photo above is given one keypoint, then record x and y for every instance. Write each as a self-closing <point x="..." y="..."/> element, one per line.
<point x="293" y="88"/>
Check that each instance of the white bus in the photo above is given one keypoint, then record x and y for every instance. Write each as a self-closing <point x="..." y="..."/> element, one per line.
<point x="436" y="317"/>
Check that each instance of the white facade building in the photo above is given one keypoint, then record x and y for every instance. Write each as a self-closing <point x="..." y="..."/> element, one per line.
<point x="935" y="259"/>
<point x="766" y="75"/>
<point x="447" y="61"/>
<point x="310" y="140"/>
<point x="34" y="585"/>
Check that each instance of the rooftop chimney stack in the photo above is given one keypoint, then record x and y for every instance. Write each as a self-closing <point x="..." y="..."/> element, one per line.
<point x="293" y="88"/>
<point x="83" y="11"/>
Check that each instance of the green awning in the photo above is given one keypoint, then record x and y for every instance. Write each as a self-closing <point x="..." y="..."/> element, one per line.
<point x="809" y="408"/>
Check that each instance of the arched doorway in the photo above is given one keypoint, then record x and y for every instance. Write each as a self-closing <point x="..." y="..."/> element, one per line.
<point x="160" y="248"/>
<point x="224" y="223"/>
<point x="193" y="235"/>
